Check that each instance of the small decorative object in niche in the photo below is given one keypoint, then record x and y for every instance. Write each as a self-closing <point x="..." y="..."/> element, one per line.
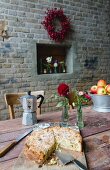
<point x="55" y="66"/>
<point x="57" y="24"/>
<point x="3" y="29"/>
<point x="50" y="65"/>
<point x="62" y="67"/>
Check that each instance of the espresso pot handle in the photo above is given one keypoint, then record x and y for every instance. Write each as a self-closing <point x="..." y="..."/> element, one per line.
<point x="42" y="99"/>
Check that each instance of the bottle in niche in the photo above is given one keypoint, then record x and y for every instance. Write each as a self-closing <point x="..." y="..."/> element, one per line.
<point x="55" y="66"/>
<point x="62" y="67"/>
<point x="45" y="71"/>
<point x="49" y="65"/>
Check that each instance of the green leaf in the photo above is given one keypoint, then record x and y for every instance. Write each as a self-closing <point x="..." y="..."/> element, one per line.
<point x="60" y="104"/>
<point x="56" y="96"/>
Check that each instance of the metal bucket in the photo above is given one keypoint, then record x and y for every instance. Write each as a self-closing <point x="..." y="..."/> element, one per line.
<point x="101" y="103"/>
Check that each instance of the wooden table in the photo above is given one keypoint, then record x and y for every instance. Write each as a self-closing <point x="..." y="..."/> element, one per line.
<point x="96" y="137"/>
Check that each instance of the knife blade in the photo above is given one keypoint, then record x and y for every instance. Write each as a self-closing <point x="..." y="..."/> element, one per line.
<point x="7" y="148"/>
<point x="67" y="158"/>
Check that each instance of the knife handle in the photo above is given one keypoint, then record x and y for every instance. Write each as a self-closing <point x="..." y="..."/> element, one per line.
<point x="79" y="165"/>
<point x="7" y="148"/>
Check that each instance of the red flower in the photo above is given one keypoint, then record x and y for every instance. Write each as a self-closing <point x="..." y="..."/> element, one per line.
<point x="87" y="96"/>
<point x="63" y="89"/>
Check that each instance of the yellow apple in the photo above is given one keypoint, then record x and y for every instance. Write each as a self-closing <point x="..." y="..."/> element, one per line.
<point x="101" y="90"/>
<point x="107" y="88"/>
<point x="101" y="83"/>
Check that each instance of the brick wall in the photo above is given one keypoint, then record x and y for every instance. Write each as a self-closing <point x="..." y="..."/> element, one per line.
<point x="90" y="40"/>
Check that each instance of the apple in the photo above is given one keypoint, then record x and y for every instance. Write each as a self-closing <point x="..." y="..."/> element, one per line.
<point x="107" y="88"/>
<point x="101" y="83"/>
<point x="93" y="89"/>
<point x="101" y="90"/>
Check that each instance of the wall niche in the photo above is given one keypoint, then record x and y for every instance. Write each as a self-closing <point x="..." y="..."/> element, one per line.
<point x="57" y="55"/>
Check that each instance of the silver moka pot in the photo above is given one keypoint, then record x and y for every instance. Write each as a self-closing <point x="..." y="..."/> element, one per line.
<point x="29" y="104"/>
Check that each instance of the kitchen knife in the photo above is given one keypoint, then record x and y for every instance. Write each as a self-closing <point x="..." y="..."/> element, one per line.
<point x="12" y="144"/>
<point x="67" y="158"/>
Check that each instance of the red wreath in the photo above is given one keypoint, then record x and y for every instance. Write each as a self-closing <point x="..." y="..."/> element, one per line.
<point x="48" y="24"/>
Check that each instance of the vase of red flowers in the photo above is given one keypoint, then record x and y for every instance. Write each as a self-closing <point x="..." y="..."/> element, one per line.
<point x="75" y="99"/>
<point x="78" y="99"/>
<point x="80" y="121"/>
<point x="81" y="99"/>
<point x="65" y="114"/>
<point x="63" y="90"/>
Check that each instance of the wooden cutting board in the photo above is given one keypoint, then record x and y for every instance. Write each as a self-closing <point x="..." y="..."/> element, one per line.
<point x="23" y="163"/>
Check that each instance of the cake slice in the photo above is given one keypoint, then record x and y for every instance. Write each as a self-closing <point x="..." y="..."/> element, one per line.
<point x="40" y="145"/>
<point x="68" y="138"/>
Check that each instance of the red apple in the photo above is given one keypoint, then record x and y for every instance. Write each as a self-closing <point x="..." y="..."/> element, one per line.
<point x="107" y="88"/>
<point x="101" y="83"/>
<point x="93" y="89"/>
<point x="101" y="90"/>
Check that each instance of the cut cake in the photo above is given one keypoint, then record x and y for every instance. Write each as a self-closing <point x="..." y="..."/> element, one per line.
<point x="41" y="144"/>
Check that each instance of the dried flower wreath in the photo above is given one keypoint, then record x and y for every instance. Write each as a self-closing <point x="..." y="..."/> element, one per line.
<point x="50" y="25"/>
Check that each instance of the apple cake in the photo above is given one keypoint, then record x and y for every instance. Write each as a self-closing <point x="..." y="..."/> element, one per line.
<point x="41" y="144"/>
<point x="68" y="138"/>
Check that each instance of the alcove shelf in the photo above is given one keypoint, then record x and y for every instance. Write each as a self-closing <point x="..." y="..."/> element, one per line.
<point x="58" y="53"/>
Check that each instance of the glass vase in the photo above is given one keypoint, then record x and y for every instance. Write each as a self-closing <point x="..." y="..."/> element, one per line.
<point x="65" y="115"/>
<point x="55" y="70"/>
<point x="49" y="71"/>
<point x="80" y="122"/>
